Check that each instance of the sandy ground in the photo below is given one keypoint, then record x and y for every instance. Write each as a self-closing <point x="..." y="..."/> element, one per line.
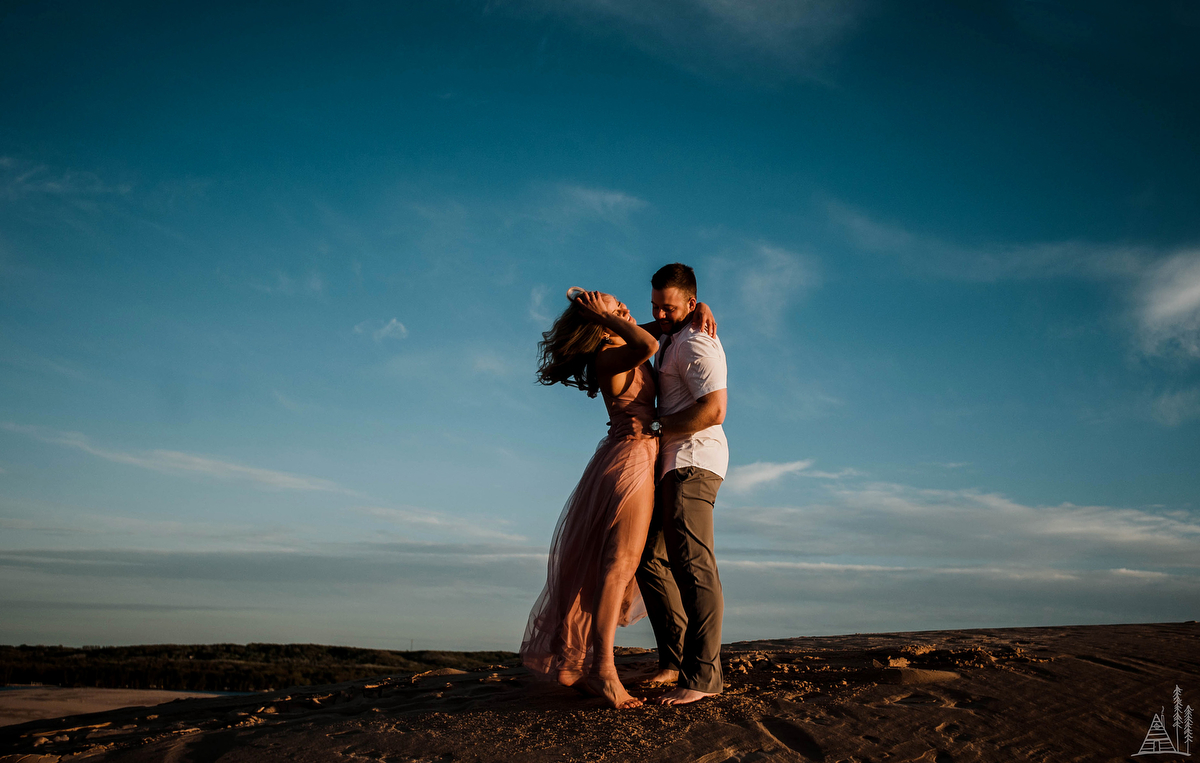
<point x="35" y="703"/>
<point x="1084" y="693"/>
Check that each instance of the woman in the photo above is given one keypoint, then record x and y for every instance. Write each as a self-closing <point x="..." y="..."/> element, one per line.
<point x="596" y="346"/>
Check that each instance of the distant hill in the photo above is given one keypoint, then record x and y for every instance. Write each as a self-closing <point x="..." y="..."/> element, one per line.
<point x="221" y="667"/>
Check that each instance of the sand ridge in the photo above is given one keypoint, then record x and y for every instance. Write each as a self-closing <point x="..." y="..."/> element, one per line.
<point x="1083" y="693"/>
<point x="20" y="705"/>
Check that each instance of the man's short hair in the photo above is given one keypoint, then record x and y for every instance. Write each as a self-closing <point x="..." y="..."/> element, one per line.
<point x="678" y="275"/>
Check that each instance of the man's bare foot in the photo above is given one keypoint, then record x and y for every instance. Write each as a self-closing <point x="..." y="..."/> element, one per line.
<point x="682" y="696"/>
<point x="664" y="676"/>
<point x="611" y="688"/>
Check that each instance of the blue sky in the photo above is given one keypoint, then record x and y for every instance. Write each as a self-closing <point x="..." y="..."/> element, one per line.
<point x="272" y="278"/>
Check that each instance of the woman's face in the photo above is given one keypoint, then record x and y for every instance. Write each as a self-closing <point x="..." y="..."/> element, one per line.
<point x="617" y="307"/>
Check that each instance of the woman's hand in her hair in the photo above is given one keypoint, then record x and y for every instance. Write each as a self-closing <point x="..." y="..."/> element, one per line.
<point x="595" y="306"/>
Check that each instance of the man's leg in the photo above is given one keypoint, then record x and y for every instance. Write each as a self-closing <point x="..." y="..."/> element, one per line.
<point x="688" y="534"/>
<point x="660" y="593"/>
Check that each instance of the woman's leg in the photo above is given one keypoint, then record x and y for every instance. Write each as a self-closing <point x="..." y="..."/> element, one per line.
<point x="621" y="559"/>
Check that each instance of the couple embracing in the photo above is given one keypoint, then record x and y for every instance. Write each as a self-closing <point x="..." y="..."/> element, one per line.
<point x="635" y="538"/>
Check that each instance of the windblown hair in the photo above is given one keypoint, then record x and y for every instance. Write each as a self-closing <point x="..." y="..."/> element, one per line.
<point x="676" y="274"/>
<point x="568" y="352"/>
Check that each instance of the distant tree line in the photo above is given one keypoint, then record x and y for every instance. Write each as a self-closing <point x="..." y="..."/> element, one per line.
<point x="221" y="667"/>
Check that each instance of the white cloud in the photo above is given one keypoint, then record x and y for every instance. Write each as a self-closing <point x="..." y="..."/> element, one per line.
<point x="771" y="281"/>
<point x="750" y="476"/>
<point x="393" y="329"/>
<point x="1169" y="305"/>
<point x="176" y="462"/>
<point x="381" y="330"/>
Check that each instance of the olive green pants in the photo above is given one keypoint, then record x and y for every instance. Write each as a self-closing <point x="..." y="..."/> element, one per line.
<point x="678" y="578"/>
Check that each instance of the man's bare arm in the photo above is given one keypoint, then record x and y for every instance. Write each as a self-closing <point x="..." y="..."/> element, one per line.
<point x="702" y="320"/>
<point x="706" y="412"/>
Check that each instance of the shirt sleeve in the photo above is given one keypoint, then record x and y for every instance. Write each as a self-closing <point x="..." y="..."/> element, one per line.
<point x="703" y="364"/>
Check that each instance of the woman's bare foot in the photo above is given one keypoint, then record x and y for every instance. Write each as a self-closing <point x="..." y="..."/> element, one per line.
<point x="664" y="676"/>
<point x="609" y="686"/>
<point x="682" y="696"/>
<point x="575" y="679"/>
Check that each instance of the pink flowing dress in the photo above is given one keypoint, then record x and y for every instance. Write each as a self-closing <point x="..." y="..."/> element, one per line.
<point x="618" y="479"/>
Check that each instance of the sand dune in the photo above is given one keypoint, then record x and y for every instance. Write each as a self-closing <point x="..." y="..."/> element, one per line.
<point x="1084" y="693"/>
<point x="38" y="702"/>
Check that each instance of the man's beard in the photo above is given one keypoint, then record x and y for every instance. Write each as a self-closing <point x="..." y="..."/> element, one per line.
<point x="672" y="328"/>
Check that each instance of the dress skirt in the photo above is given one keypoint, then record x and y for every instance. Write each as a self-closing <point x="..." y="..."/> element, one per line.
<point x="618" y="479"/>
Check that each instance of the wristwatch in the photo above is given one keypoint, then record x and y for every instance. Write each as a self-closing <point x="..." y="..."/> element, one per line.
<point x="656" y="428"/>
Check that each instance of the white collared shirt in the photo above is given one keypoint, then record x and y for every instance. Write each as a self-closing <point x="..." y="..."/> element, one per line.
<point x="691" y="366"/>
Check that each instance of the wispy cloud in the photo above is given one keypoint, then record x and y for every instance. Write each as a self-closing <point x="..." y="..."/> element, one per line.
<point x="1174" y="408"/>
<point x="21" y="179"/>
<point x="449" y="596"/>
<point x="490" y="362"/>
<point x="98" y="531"/>
<point x="291" y="403"/>
<point x="838" y="475"/>
<point x="772" y="280"/>
<point x="768" y="38"/>
<point x="787" y="394"/>
<point x="950" y="527"/>
<point x="987" y="262"/>
<point x="1161" y="287"/>
<point x="285" y="284"/>
<point x="381" y="330"/>
<point x="441" y="523"/>
<point x="750" y="476"/>
<point x="176" y="462"/>
<point x="1169" y="305"/>
<point x="412" y="563"/>
<point x="537" y="305"/>
<point x="611" y="206"/>
<point x="39" y="364"/>
<point x="285" y="401"/>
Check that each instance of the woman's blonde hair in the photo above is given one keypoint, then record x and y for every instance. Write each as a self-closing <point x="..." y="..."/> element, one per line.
<point x="567" y="352"/>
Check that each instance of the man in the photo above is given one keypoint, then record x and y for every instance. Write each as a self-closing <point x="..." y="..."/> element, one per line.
<point x="678" y="572"/>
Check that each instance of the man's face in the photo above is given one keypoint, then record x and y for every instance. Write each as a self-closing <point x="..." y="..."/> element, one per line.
<point x="671" y="306"/>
